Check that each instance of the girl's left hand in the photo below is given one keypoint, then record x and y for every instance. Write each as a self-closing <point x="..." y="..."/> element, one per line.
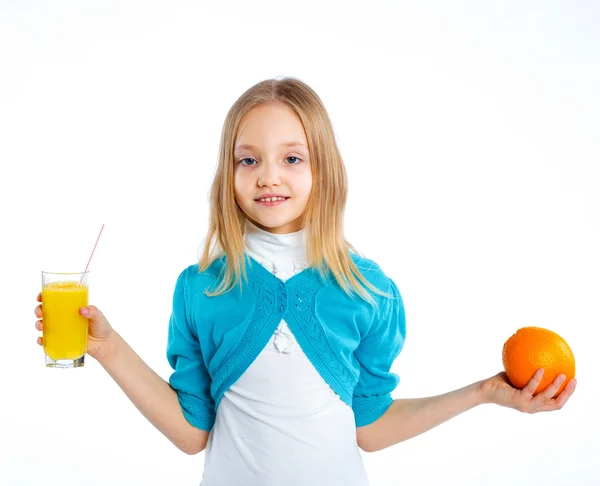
<point x="498" y="390"/>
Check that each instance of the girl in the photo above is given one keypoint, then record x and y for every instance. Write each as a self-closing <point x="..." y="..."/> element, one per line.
<point x="282" y="337"/>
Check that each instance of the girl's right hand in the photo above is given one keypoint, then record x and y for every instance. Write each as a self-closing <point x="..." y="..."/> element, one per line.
<point x="100" y="330"/>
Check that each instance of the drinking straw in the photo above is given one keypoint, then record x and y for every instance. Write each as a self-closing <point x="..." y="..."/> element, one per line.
<point x="93" y="250"/>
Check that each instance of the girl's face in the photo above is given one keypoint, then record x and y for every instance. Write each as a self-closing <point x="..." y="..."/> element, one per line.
<point x="271" y="160"/>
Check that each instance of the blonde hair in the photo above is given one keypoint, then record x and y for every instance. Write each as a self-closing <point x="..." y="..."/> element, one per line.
<point x="326" y="247"/>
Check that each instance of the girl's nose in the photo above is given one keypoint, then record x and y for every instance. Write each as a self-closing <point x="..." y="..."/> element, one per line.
<point x="269" y="175"/>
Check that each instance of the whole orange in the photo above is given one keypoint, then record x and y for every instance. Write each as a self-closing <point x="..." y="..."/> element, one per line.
<point x="531" y="348"/>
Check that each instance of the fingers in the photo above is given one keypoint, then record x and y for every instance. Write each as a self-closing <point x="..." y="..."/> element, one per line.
<point x="550" y="390"/>
<point x="544" y="401"/>
<point x="531" y="387"/>
<point x="39" y="325"/>
<point x="559" y="402"/>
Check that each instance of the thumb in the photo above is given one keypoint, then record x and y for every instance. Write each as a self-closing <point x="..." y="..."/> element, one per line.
<point x="91" y="312"/>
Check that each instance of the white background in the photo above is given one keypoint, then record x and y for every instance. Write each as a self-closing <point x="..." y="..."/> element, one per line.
<point x="470" y="134"/>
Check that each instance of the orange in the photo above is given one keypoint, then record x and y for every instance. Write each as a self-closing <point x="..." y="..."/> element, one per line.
<point x="531" y="348"/>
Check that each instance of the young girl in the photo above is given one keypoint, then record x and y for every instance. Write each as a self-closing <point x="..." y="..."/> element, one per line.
<point x="283" y="336"/>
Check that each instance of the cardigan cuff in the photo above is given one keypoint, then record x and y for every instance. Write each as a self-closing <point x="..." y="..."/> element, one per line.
<point x="369" y="409"/>
<point x="196" y="411"/>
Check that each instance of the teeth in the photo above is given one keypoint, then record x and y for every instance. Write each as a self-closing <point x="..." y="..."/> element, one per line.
<point x="272" y="199"/>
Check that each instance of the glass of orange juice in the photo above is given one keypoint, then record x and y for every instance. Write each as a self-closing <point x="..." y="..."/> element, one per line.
<point x="65" y="331"/>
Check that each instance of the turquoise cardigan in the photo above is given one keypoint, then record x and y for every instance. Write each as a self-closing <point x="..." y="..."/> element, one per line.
<point x="352" y="344"/>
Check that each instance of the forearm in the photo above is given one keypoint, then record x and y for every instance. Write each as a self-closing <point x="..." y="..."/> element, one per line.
<point x="151" y="395"/>
<point x="407" y="418"/>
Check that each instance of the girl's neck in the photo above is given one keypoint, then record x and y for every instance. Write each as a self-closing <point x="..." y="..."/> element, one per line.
<point x="271" y="245"/>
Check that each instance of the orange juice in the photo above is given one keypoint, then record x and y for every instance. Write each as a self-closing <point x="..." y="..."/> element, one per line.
<point x="65" y="330"/>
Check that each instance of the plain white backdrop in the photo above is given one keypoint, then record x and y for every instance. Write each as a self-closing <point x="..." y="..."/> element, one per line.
<point x="470" y="133"/>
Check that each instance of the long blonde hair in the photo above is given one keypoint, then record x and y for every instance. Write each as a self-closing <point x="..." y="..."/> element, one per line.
<point x="326" y="247"/>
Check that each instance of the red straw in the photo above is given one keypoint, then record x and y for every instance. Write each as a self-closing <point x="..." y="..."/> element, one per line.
<point x="88" y="263"/>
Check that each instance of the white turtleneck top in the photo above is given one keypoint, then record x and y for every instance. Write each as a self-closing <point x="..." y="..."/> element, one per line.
<point x="281" y="424"/>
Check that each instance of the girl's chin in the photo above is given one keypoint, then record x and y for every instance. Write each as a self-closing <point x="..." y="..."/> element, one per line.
<point x="279" y="227"/>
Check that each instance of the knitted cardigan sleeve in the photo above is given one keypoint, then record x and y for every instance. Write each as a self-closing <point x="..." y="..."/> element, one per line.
<point x="190" y="378"/>
<point x="375" y="354"/>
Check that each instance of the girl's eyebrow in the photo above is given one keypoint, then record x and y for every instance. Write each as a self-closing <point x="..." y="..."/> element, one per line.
<point x="246" y="146"/>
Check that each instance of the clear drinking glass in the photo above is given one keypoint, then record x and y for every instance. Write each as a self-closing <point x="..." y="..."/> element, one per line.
<point x="65" y="331"/>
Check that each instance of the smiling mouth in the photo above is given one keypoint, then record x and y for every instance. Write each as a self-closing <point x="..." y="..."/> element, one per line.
<point x="272" y="201"/>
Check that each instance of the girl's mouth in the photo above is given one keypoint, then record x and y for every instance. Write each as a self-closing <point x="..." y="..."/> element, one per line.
<point x="272" y="201"/>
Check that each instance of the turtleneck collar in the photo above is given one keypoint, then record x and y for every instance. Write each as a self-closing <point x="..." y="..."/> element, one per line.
<point x="275" y="247"/>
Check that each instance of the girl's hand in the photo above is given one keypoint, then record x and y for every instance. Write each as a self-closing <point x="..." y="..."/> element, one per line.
<point x="498" y="390"/>
<point x="99" y="333"/>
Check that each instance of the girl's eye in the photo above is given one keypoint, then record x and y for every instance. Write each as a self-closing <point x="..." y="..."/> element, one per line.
<point x="293" y="162"/>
